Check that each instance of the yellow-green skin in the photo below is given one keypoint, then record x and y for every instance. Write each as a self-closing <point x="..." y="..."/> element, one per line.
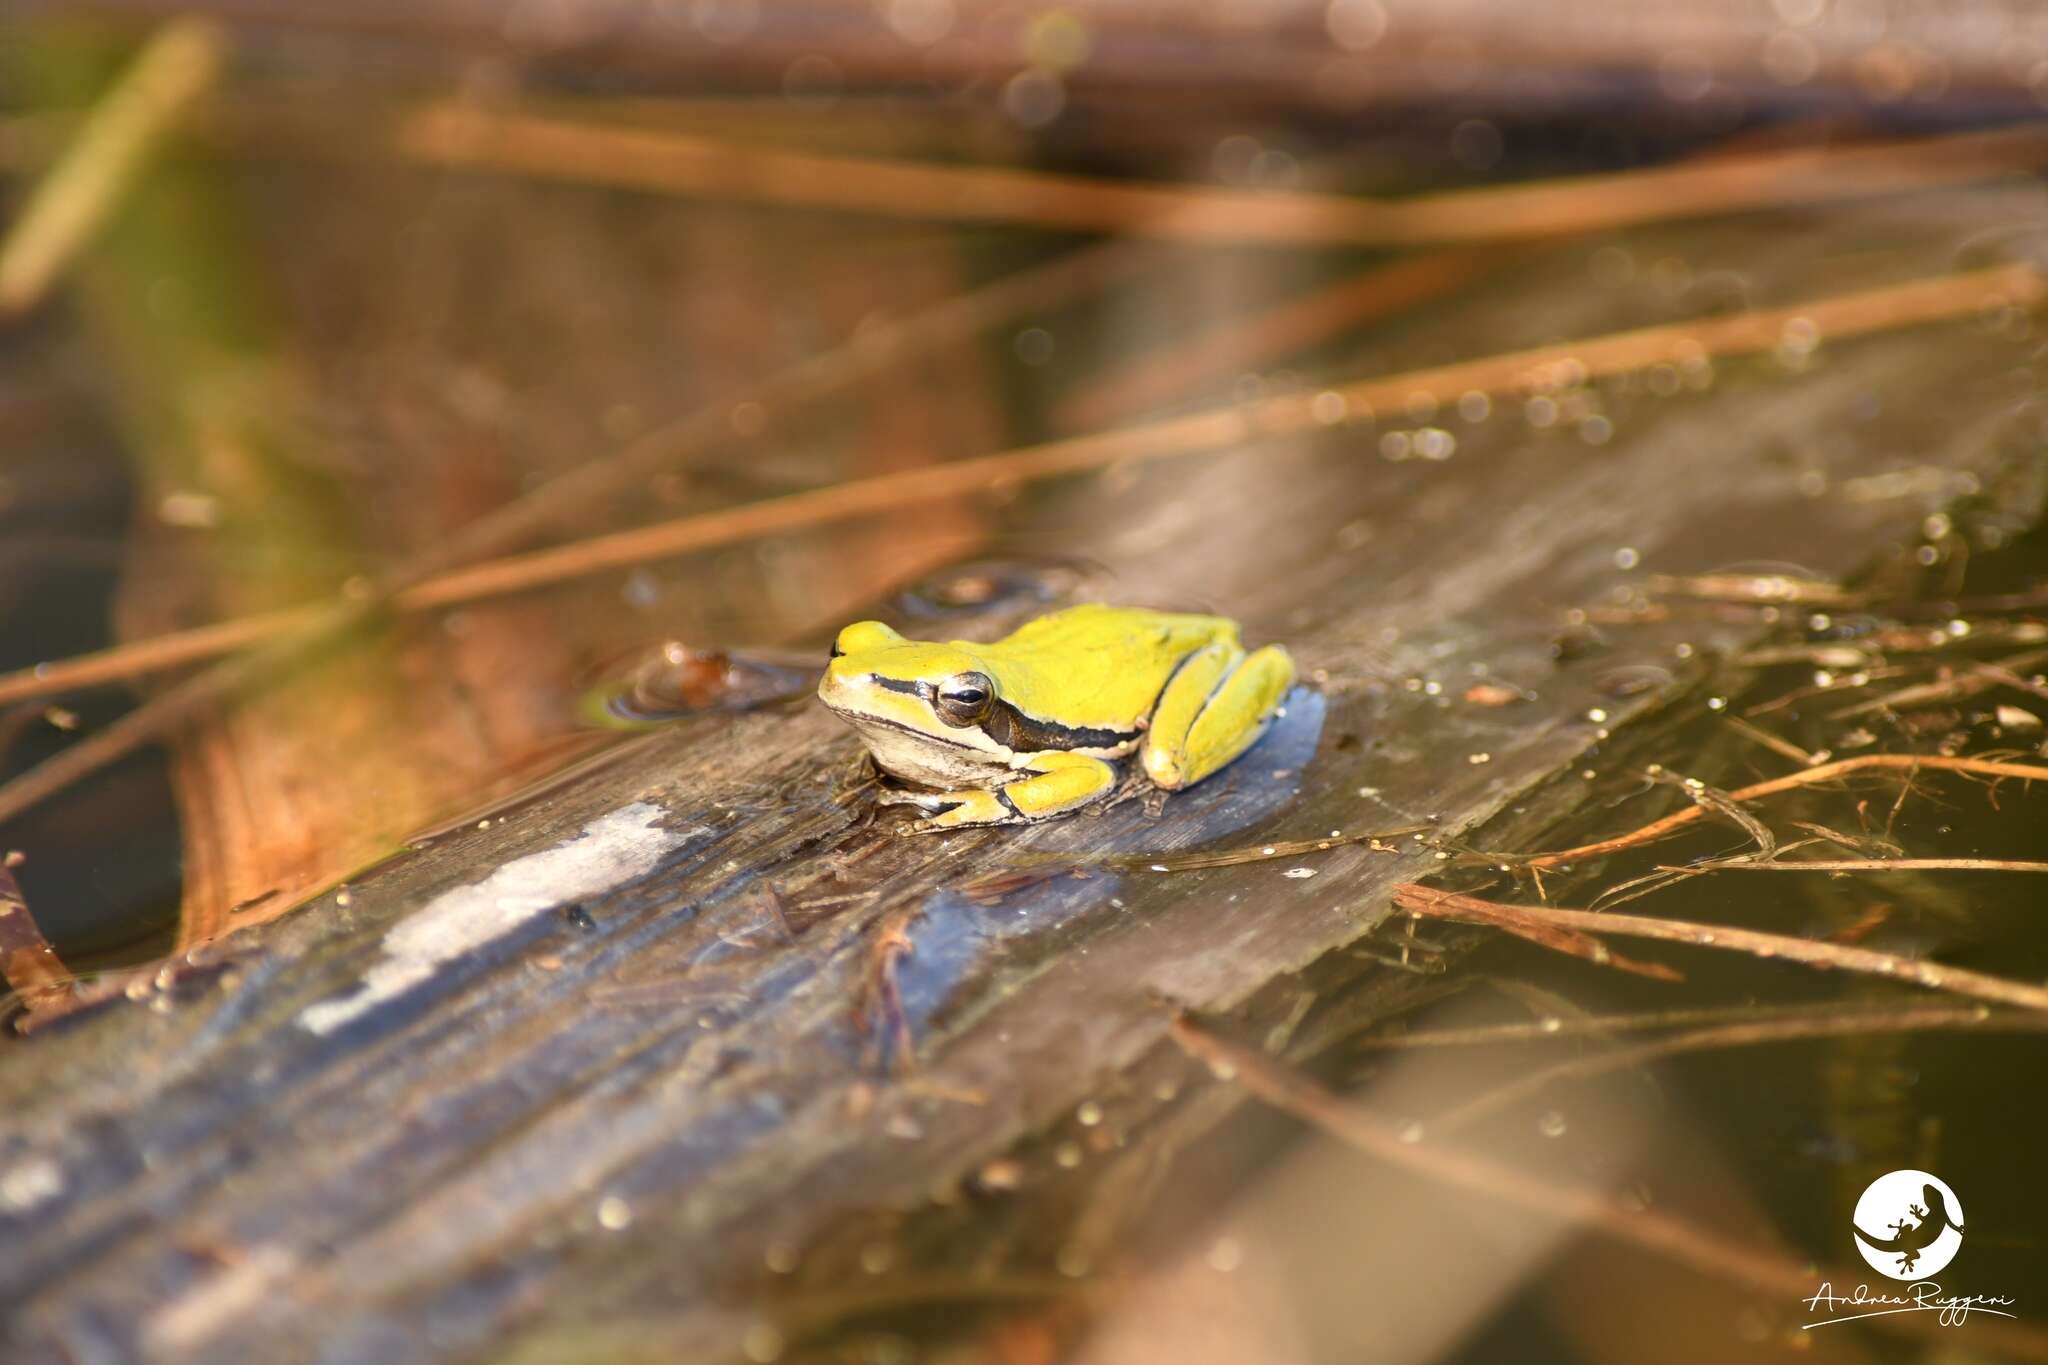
<point x="1073" y="693"/>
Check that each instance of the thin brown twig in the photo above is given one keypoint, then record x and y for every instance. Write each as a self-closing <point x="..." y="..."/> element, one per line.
<point x="1378" y="840"/>
<point x="1770" y="589"/>
<point x="278" y="640"/>
<point x="2008" y="678"/>
<point x="1741" y="1263"/>
<point x="156" y="654"/>
<point x="1293" y="325"/>
<point x="881" y="1005"/>
<point x="1856" y="682"/>
<point x="1919" y="301"/>
<point x="1423" y="900"/>
<point x="1898" y="640"/>
<point x="68" y="206"/>
<point x="169" y="710"/>
<point x="1807" y="777"/>
<point x="1030" y="870"/>
<point x="1758" y="735"/>
<point x="673" y="445"/>
<point x="1967" y="681"/>
<point x="1748" y="1033"/>
<point x="1552" y="1027"/>
<point x="1585" y="946"/>
<point x="1863" y="865"/>
<point x="1914" y="302"/>
<point x="876" y="348"/>
<point x="1296" y="1094"/>
<point x="461" y="135"/>
<point x="1869" y="845"/>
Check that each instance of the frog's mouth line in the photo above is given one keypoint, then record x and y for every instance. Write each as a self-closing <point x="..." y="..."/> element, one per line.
<point x="925" y="735"/>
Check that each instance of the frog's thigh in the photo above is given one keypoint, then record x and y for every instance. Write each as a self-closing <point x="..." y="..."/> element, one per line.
<point x="1060" y="782"/>
<point x="1180" y="704"/>
<point x="1195" y="732"/>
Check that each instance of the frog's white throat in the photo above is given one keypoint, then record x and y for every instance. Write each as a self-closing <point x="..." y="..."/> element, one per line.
<point x="929" y="762"/>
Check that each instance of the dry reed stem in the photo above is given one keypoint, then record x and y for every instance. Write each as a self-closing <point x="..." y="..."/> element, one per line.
<point x="313" y="628"/>
<point x="1756" y="734"/>
<point x="1747" y="1033"/>
<point x="673" y="445"/>
<point x="1422" y="900"/>
<point x="1863" y="865"/>
<point x="1917" y="301"/>
<point x="1293" y="325"/>
<point x="1296" y="1094"/>
<point x="71" y="202"/>
<point x="1552" y="1027"/>
<point x="877" y="347"/>
<point x="454" y="135"/>
<point x="1807" y="777"/>
<point x="1742" y="1263"/>
<point x="2008" y="678"/>
<point x="1966" y="681"/>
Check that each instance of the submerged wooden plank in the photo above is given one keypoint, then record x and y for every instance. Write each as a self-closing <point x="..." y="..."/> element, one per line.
<point x="577" y="1084"/>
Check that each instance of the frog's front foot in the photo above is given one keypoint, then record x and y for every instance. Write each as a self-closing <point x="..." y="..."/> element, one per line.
<point x="1055" y="784"/>
<point x="951" y="810"/>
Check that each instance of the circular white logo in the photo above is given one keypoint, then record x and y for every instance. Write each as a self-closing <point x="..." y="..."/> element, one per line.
<point x="1908" y="1225"/>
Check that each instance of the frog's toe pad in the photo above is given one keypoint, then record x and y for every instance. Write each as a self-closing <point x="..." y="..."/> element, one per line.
<point x="952" y="810"/>
<point x="924" y="801"/>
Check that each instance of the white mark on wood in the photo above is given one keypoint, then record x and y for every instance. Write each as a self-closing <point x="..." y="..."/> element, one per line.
<point x="611" y="851"/>
<point x="30" y="1182"/>
<point x="217" y="1301"/>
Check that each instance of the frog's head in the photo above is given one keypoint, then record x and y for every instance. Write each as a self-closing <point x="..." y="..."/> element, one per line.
<point x="921" y="707"/>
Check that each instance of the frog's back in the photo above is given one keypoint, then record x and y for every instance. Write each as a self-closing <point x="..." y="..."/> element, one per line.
<point x="1095" y="625"/>
<point x="1102" y="664"/>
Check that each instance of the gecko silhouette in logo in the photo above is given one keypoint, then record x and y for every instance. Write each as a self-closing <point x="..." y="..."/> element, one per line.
<point x="1923" y="1225"/>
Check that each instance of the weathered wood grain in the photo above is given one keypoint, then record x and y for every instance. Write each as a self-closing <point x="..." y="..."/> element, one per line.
<point x="424" y="1121"/>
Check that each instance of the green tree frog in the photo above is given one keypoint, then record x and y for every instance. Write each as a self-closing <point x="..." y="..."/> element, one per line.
<point x="1031" y="726"/>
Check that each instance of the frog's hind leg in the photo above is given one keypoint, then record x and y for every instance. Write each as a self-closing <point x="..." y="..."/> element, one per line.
<point x="1060" y="782"/>
<point x="1215" y="708"/>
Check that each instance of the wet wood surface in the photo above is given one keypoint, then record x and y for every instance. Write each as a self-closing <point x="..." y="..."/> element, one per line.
<point x="616" y="1075"/>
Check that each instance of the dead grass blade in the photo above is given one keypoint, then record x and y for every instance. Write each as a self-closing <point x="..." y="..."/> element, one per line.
<point x="1965" y="681"/>
<point x="175" y="66"/>
<point x="1865" y="865"/>
<point x="1422" y="900"/>
<point x="1808" y="777"/>
<point x="1918" y="301"/>
<point x="1555" y="1026"/>
<point x="1915" y="302"/>
<point x="463" y="136"/>
<point x="1756" y="734"/>
<point x="1661" y="1234"/>
<point x="1748" y="1033"/>
<point x="1297" y="324"/>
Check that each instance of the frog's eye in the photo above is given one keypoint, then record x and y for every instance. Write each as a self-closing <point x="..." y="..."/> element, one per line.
<point x="965" y="698"/>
